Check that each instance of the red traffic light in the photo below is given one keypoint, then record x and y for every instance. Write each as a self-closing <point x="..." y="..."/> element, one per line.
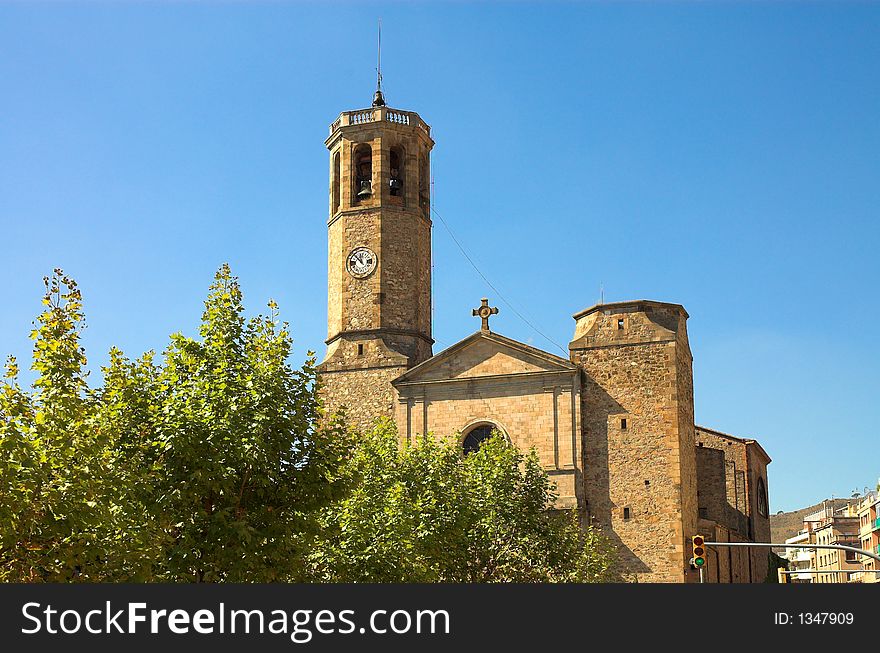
<point x="699" y="558"/>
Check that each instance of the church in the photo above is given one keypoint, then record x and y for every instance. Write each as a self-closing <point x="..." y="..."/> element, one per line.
<point x="613" y="424"/>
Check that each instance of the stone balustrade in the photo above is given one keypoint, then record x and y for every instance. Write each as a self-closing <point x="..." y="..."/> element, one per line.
<point x="379" y="114"/>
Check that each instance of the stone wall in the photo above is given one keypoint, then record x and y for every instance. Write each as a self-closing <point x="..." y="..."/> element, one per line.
<point x="712" y="485"/>
<point x="396" y="297"/>
<point x="534" y="402"/>
<point x="744" y="462"/>
<point x="405" y="269"/>
<point x="687" y="464"/>
<point x="633" y="360"/>
<point x="356" y="376"/>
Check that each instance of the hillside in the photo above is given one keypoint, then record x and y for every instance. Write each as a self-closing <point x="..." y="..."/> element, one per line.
<point x="787" y="524"/>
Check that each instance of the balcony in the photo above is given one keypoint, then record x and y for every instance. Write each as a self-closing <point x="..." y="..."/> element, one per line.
<point x="379" y="114"/>
<point x="877" y="524"/>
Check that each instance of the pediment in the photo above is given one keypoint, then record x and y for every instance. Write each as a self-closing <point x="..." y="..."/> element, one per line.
<point x="485" y="354"/>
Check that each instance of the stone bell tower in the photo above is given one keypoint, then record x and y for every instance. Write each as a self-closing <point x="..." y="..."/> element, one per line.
<point x="379" y="257"/>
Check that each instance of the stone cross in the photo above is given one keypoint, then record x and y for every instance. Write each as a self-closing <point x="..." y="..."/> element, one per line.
<point x="484" y="312"/>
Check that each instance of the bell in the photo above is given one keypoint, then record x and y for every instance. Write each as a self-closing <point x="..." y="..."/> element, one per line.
<point x="366" y="189"/>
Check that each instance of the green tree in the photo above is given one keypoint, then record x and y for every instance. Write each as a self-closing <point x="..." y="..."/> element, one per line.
<point x="427" y="513"/>
<point x="52" y="460"/>
<point x="238" y="455"/>
<point x="216" y="464"/>
<point x="210" y="466"/>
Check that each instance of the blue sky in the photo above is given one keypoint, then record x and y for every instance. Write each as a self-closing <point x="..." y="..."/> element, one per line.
<point x="720" y="155"/>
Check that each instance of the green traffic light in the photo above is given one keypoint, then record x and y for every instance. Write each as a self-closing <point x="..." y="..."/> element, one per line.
<point x="699" y="562"/>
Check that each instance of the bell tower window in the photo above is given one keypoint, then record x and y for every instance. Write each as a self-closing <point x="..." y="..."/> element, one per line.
<point x="363" y="172"/>
<point x="397" y="174"/>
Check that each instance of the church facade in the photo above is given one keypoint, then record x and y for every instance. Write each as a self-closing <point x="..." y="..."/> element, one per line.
<point x="613" y="424"/>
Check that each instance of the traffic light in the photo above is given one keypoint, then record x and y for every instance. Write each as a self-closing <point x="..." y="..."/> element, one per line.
<point x="699" y="558"/>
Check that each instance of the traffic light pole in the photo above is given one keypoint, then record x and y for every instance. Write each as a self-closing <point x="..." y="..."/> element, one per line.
<point x="769" y="545"/>
<point x="795" y="572"/>
<point x="837" y="547"/>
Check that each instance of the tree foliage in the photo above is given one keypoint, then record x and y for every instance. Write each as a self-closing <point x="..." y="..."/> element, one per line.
<point x="240" y="459"/>
<point x="214" y="462"/>
<point x="428" y="513"/>
<point x="210" y="466"/>
<point x="51" y="458"/>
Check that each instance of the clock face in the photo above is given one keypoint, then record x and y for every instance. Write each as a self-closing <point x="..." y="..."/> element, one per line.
<point x="361" y="262"/>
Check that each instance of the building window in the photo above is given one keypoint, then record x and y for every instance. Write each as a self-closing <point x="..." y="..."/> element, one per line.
<point x="337" y="176"/>
<point x="626" y="514"/>
<point x="396" y="178"/>
<point x="424" y="185"/>
<point x="623" y="424"/>
<point x="476" y="436"/>
<point x="360" y="350"/>
<point x="620" y="324"/>
<point x="363" y="172"/>
<point x="763" y="507"/>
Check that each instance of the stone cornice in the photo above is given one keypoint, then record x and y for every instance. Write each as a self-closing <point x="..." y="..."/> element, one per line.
<point x="343" y="370"/>
<point x="511" y="376"/>
<point x="576" y="345"/>
<point x="380" y="332"/>
<point x="635" y="304"/>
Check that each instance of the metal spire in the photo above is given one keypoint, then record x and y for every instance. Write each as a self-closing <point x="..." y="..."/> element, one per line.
<point x="378" y="98"/>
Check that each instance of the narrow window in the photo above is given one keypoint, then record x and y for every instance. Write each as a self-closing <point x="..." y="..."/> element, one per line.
<point x="763" y="508"/>
<point x="620" y="324"/>
<point x="397" y="173"/>
<point x="360" y="350"/>
<point x="623" y="424"/>
<point x="424" y="185"/>
<point x="626" y="514"/>
<point x="337" y="173"/>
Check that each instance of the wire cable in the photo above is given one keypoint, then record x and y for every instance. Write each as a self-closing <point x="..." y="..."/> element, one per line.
<point x="492" y="286"/>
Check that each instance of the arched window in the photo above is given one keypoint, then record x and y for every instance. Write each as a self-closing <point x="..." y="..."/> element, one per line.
<point x="396" y="177"/>
<point x="763" y="508"/>
<point x="363" y="172"/>
<point x="476" y="436"/>
<point x="337" y="174"/>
